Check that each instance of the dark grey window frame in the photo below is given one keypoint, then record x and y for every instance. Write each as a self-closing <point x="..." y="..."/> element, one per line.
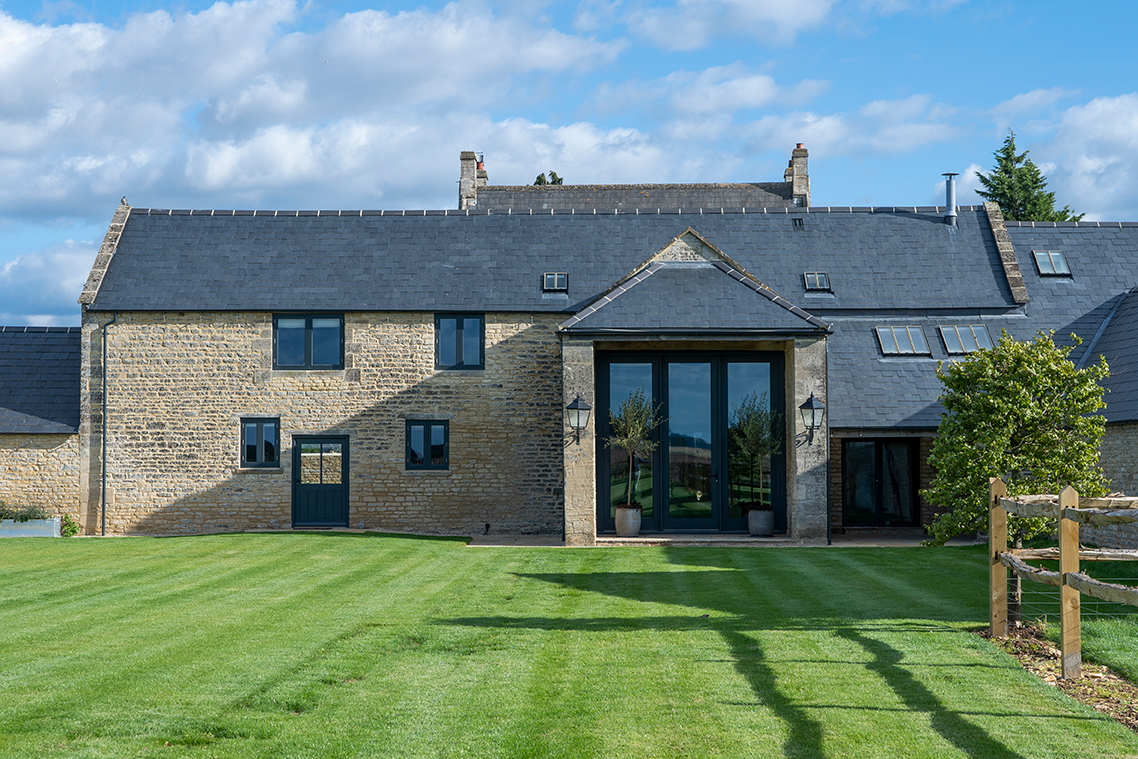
<point x="560" y="282"/>
<point x="308" y="365"/>
<point x="459" y="334"/>
<point x="818" y="278"/>
<point x="426" y="424"/>
<point x="1051" y="256"/>
<point x="260" y="422"/>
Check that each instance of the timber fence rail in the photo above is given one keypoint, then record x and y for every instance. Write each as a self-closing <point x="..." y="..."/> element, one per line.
<point x="1071" y="511"/>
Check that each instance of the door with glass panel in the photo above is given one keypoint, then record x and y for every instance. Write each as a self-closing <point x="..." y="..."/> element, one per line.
<point x="718" y="451"/>
<point x="320" y="481"/>
<point x="879" y="484"/>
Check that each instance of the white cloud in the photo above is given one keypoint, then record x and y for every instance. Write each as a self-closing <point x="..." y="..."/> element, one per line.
<point x="171" y="109"/>
<point x="42" y="288"/>
<point x="692" y="24"/>
<point x="1032" y="102"/>
<point x="1095" y="158"/>
<point x="881" y="126"/>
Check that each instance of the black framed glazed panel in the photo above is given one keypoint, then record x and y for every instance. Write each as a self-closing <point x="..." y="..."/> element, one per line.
<point x="460" y="341"/>
<point x="700" y="477"/>
<point x="260" y="442"/>
<point x="879" y="483"/>
<point x="308" y="341"/>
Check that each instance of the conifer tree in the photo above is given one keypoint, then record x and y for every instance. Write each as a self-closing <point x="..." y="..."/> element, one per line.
<point x="1019" y="188"/>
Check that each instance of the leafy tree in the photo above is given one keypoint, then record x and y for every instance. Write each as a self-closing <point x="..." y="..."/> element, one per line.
<point x="1018" y="187"/>
<point x="754" y="435"/>
<point x="1021" y="411"/>
<point x="553" y="179"/>
<point x="632" y="425"/>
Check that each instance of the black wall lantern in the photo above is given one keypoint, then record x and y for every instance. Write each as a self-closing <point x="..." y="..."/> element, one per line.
<point x="578" y="413"/>
<point x="812" y="412"/>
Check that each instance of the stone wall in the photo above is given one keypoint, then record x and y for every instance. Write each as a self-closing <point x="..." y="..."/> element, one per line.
<point x="1118" y="457"/>
<point x="40" y="470"/>
<point x="179" y="383"/>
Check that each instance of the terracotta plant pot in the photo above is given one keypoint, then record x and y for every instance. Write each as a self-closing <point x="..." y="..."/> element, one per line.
<point x="760" y="523"/>
<point x="627" y="522"/>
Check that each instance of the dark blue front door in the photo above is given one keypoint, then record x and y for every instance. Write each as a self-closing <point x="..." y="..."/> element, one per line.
<point x="320" y="481"/>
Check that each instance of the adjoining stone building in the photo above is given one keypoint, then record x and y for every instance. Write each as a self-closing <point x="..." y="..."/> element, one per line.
<point x="39" y="417"/>
<point x="410" y="370"/>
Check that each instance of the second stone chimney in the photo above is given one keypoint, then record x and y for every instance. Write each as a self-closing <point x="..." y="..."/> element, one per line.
<point x="798" y="176"/>
<point x="471" y="176"/>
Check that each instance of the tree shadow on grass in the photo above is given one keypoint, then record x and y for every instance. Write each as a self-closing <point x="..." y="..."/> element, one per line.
<point x="308" y="534"/>
<point x="737" y="623"/>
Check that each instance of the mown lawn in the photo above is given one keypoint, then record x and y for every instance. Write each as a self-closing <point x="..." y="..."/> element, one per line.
<point x="335" y="645"/>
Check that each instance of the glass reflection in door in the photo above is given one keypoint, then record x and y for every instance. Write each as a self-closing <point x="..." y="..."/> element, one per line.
<point x="754" y="436"/>
<point x="690" y="482"/>
<point x="624" y="381"/>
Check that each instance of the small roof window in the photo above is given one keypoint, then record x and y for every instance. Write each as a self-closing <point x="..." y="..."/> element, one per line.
<point x="816" y="280"/>
<point x="965" y="338"/>
<point x="797" y="223"/>
<point x="555" y="281"/>
<point x="1051" y="263"/>
<point x="902" y="341"/>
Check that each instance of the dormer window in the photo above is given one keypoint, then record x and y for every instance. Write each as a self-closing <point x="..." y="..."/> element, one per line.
<point x="555" y="282"/>
<point x="816" y="280"/>
<point x="1051" y="263"/>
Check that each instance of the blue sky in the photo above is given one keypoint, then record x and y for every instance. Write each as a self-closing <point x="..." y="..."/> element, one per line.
<point x="275" y="104"/>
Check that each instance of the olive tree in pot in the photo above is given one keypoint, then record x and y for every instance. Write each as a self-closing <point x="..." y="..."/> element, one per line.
<point x="632" y="425"/>
<point x="756" y="435"/>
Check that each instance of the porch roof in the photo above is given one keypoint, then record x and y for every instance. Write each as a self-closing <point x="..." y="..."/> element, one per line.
<point x="691" y="297"/>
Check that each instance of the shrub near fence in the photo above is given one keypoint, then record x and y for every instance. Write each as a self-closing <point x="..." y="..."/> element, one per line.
<point x="1071" y="511"/>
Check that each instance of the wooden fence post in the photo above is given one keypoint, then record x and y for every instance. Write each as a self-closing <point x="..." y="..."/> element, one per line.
<point x="997" y="572"/>
<point x="1070" y="638"/>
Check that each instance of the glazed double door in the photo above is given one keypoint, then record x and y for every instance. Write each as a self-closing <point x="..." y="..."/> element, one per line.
<point x="719" y="451"/>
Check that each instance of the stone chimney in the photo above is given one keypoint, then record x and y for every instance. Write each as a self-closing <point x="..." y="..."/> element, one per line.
<point x="797" y="175"/>
<point x="471" y="176"/>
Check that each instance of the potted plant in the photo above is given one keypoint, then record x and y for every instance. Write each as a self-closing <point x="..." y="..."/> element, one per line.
<point x="631" y="426"/>
<point x="755" y="433"/>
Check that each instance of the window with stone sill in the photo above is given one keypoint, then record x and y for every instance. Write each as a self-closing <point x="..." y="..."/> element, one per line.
<point x="308" y="341"/>
<point x="260" y="443"/>
<point x="428" y="444"/>
<point x="459" y="340"/>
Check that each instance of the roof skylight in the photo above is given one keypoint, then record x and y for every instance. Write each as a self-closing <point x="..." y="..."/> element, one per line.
<point x="965" y="338"/>
<point x="902" y="341"/>
<point x="816" y="280"/>
<point x="555" y="281"/>
<point x="1051" y="263"/>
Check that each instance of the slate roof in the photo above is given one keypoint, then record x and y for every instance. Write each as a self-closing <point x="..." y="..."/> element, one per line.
<point x="609" y="196"/>
<point x="39" y="380"/>
<point x="1103" y="258"/>
<point x="480" y="261"/>
<point x="1119" y="344"/>
<point x="678" y="297"/>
